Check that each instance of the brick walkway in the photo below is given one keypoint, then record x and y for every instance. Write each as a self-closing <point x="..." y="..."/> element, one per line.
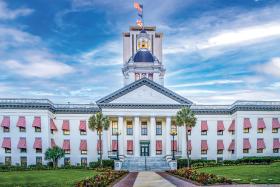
<point x="128" y="181"/>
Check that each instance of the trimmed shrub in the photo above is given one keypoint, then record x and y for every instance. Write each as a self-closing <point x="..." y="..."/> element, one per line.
<point x="106" y="164"/>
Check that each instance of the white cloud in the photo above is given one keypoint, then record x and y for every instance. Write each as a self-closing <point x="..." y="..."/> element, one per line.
<point x="8" y="14"/>
<point x="207" y="83"/>
<point x="270" y="68"/>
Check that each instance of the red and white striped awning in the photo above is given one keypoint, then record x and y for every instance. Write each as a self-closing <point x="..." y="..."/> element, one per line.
<point x="204" y="145"/>
<point x="6" y="143"/>
<point x="276" y="143"/>
<point x="220" y="145"/>
<point x="130" y="145"/>
<point x="220" y="125"/>
<point x="83" y="126"/>
<point x="232" y="126"/>
<point x="98" y="145"/>
<point x="246" y="143"/>
<point x="261" y="124"/>
<point x="275" y="123"/>
<point x="175" y="145"/>
<point x="65" y="125"/>
<point x="114" y="145"/>
<point x="37" y="143"/>
<point x="53" y="126"/>
<point x="158" y="145"/>
<point x="189" y="146"/>
<point x="21" y="122"/>
<point x="83" y="145"/>
<point x="22" y="143"/>
<point x="232" y="146"/>
<point x="247" y="123"/>
<point x="66" y="145"/>
<point x="260" y="143"/>
<point x="204" y="125"/>
<point x="37" y="122"/>
<point x="6" y="122"/>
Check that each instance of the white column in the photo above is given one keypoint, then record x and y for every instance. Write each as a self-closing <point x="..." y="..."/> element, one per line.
<point x="183" y="140"/>
<point x="121" y="136"/>
<point x="136" y="134"/>
<point x="153" y="136"/>
<point x="167" y="136"/>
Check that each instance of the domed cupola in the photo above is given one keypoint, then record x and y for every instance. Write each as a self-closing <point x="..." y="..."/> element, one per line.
<point x="143" y="56"/>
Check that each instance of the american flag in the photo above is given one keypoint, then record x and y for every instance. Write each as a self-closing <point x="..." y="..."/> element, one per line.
<point x="139" y="7"/>
<point x="139" y="23"/>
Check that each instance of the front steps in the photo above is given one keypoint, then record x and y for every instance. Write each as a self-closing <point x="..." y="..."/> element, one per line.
<point x="145" y="164"/>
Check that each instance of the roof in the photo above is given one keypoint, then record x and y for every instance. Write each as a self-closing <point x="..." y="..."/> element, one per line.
<point x="143" y="56"/>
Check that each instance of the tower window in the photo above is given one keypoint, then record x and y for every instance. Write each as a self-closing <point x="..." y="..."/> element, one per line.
<point x="143" y="75"/>
<point x="137" y="76"/>
<point x="150" y="76"/>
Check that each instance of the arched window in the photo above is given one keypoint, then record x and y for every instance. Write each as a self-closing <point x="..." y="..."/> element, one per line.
<point x="137" y="76"/>
<point x="150" y="76"/>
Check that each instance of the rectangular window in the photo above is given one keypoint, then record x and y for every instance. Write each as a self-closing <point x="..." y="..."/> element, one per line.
<point x="219" y="159"/>
<point x="83" y="161"/>
<point x="37" y="129"/>
<point x="52" y="131"/>
<point x="67" y="152"/>
<point x="66" y="132"/>
<point x="23" y="150"/>
<point x="203" y="152"/>
<point x="232" y="151"/>
<point x="144" y="128"/>
<point x="23" y="161"/>
<point x="84" y="152"/>
<point x="220" y="132"/>
<point x="38" y="150"/>
<point x="190" y="152"/>
<point x="22" y="129"/>
<point x="129" y="128"/>
<point x="6" y="129"/>
<point x="274" y="130"/>
<point x="150" y="76"/>
<point x="189" y="132"/>
<point x="232" y="132"/>
<point x="275" y="150"/>
<point x="129" y="152"/>
<point x="8" y="160"/>
<point x="246" y="130"/>
<point x="245" y="150"/>
<point x="7" y="150"/>
<point x="159" y="128"/>
<point x="203" y="132"/>
<point x="260" y="130"/>
<point x="159" y="152"/>
<point x="137" y="76"/>
<point x="67" y="161"/>
<point x="39" y="160"/>
<point x="83" y="132"/>
<point x="114" y="127"/>
<point x="259" y="150"/>
<point x="220" y="152"/>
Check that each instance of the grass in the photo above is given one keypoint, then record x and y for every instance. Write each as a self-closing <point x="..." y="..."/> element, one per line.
<point x="259" y="174"/>
<point x="61" y="177"/>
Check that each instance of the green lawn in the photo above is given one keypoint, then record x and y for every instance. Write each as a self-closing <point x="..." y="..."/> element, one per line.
<point x="260" y="174"/>
<point x="51" y="178"/>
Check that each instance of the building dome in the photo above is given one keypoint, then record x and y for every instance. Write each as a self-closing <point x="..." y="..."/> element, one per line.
<point x="143" y="31"/>
<point x="143" y="56"/>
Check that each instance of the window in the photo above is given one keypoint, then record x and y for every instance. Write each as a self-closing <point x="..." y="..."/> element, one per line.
<point x="245" y="150"/>
<point x="22" y="129"/>
<point x="260" y="130"/>
<point x="38" y="160"/>
<point x="84" y="152"/>
<point x="83" y="161"/>
<point x="219" y="159"/>
<point x="129" y="152"/>
<point x="246" y="130"/>
<point x="159" y="128"/>
<point x="232" y="132"/>
<point x="6" y="129"/>
<point x="189" y="132"/>
<point x="173" y="128"/>
<point x="220" y="152"/>
<point x="67" y="161"/>
<point x="274" y="130"/>
<point x="259" y="150"/>
<point x="23" y="150"/>
<point x="67" y="151"/>
<point x="38" y="150"/>
<point x="203" y="132"/>
<point x="220" y="132"/>
<point x="52" y="131"/>
<point x="114" y="127"/>
<point x="23" y="161"/>
<point x="190" y="152"/>
<point x="66" y="132"/>
<point x="37" y="129"/>
<point x="8" y="160"/>
<point x="129" y="128"/>
<point x="203" y="152"/>
<point x="150" y="76"/>
<point x="275" y="150"/>
<point x="7" y="150"/>
<point x="82" y="132"/>
<point x="203" y="158"/>
<point x="144" y="128"/>
<point x="143" y="75"/>
<point x="232" y="151"/>
<point x="137" y="76"/>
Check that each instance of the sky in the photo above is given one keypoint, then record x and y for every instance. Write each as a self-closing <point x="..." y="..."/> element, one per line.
<point x="215" y="51"/>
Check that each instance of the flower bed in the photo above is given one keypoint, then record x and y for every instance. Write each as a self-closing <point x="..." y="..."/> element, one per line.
<point x="201" y="178"/>
<point x="103" y="179"/>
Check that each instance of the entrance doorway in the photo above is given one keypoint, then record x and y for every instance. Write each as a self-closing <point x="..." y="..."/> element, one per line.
<point x="144" y="148"/>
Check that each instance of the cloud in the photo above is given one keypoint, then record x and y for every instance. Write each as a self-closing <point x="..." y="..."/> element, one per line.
<point x="207" y="83"/>
<point x="8" y="14"/>
<point x="270" y="68"/>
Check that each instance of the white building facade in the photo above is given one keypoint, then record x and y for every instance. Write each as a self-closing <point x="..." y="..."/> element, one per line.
<point x="143" y="112"/>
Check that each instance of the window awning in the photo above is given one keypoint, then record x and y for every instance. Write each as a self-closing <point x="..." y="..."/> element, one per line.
<point x="204" y="125"/>
<point x="83" y="145"/>
<point x="21" y="122"/>
<point x="247" y="123"/>
<point x="189" y="146"/>
<point x="275" y="123"/>
<point x="232" y="146"/>
<point x="53" y="144"/>
<point x="65" y="125"/>
<point x="276" y="143"/>
<point x="232" y="126"/>
<point x="53" y="126"/>
<point x="37" y="143"/>
<point x="6" y="122"/>
<point x="130" y="145"/>
<point x="220" y="145"/>
<point x="37" y="122"/>
<point x="246" y="143"/>
<point x="158" y="145"/>
<point x="22" y="143"/>
<point x="261" y="124"/>
<point x="260" y="143"/>
<point x="220" y="126"/>
<point x="83" y="126"/>
<point x="66" y="145"/>
<point x="6" y="143"/>
<point x="175" y="145"/>
<point x="204" y="145"/>
<point x="114" y="145"/>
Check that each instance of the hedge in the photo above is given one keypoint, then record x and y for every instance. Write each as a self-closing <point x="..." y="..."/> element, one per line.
<point x="106" y="164"/>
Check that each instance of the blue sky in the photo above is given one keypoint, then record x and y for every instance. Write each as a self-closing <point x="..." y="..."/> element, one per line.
<point x="215" y="51"/>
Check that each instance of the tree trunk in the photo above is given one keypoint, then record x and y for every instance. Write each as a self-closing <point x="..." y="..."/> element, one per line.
<point x="188" y="156"/>
<point x="100" y="145"/>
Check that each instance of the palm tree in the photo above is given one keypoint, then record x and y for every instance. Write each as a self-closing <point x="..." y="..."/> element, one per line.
<point x="98" y="122"/>
<point x="54" y="154"/>
<point x="185" y="117"/>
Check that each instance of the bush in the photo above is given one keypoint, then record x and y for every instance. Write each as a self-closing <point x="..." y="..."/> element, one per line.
<point x="106" y="164"/>
<point x="181" y="163"/>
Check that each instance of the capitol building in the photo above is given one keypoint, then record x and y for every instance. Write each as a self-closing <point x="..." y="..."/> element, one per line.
<point x="142" y="115"/>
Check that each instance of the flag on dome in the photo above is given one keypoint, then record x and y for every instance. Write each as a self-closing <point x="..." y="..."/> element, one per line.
<point x="139" y="23"/>
<point x="139" y="7"/>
